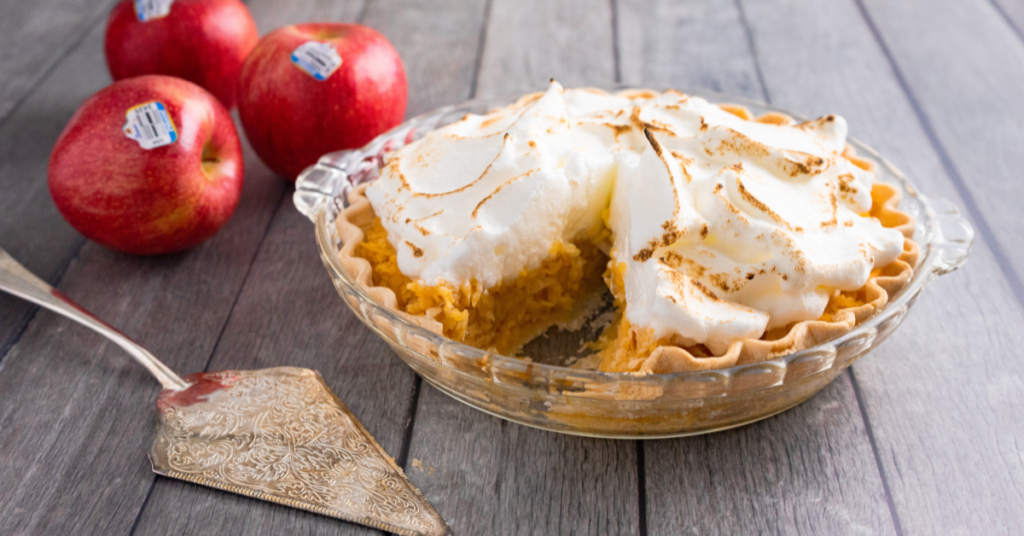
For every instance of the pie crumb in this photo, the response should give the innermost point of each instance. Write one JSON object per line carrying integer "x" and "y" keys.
{"x": 418, "y": 464}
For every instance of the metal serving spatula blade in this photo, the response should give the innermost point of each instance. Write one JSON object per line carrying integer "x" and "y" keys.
{"x": 277, "y": 434}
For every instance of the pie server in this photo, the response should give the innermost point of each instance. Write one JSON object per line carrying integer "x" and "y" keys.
{"x": 277, "y": 434}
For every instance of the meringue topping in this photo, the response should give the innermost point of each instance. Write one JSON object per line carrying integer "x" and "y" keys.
{"x": 727, "y": 227}
{"x": 486, "y": 197}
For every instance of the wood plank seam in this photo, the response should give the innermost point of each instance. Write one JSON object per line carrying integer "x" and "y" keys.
{"x": 49, "y": 70}
{"x": 481, "y": 43}
{"x": 897, "y": 524}
{"x": 1009, "y": 21}
{"x": 58, "y": 275}
{"x": 361, "y": 16}
{"x": 981, "y": 224}
{"x": 31, "y": 313}
{"x": 142, "y": 508}
{"x": 641, "y": 484}
{"x": 410, "y": 420}
{"x": 753, "y": 50}
{"x": 284, "y": 199}
{"x": 616, "y": 56}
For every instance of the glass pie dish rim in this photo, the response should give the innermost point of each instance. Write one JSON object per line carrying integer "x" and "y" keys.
{"x": 944, "y": 236}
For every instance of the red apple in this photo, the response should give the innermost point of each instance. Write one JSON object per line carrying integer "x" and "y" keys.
{"x": 119, "y": 175}
{"x": 202, "y": 41}
{"x": 295, "y": 111}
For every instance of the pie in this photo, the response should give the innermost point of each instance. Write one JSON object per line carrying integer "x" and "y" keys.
{"x": 724, "y": 239}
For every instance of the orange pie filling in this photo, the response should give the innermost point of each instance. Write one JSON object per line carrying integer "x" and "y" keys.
{"x": 502, "y": 318}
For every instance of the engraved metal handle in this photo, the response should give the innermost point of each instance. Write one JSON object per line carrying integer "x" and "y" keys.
{"x": 16, "y": 280}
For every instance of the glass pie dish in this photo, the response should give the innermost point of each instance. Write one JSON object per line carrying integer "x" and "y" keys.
{"x": 543, "y": 393}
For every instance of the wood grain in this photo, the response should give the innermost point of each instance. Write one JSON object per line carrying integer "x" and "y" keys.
{"x": 962, "y": 64}
{"x": 531, "y": 41}
{"x": 438, "y": 44}
{"x": 810, "y": 470}
{"x": 489, "y": 476}
{"x": 78, "y": 412}
{"x": 807, "y": 471}
{"x": 686, "y": 44}
{"x": 289, "y": 312}
{"x": 270, "y": 16}
{"x": 485, "y": 475}
{"x": 1014, "y": 14}
{"x": 31, "y": 229}
{"x": 35, "y": 37}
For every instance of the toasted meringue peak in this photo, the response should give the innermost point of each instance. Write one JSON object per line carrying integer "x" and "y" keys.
{"x": 764, "y": 220}
{"x": 727, "y": 227}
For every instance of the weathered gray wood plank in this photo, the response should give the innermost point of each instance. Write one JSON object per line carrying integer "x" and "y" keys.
{"x": 941, "y": 394}
{"x": 30, "y": 228}
{"x": 1013, "y": 11}
{"x": 438, "y": 44}
{"x": 530, "y": 42}
{"x": 289, "y": 312}
{"x": 485, "y": 475}
{"x": 78, "y": 414}
{"x": 686, "y": 44}
{"x": 489, "y": 476}
{"x": 809, "y": 470}
{"x": 814, "y": 70}
{"x": 35, "y": 37}
{"x": 962, "y": 63}
{"x": 270, "y": 16}
{"x": 925, "y": 380}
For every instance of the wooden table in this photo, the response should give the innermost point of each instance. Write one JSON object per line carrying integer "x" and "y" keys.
{"x": 922, "y": 437}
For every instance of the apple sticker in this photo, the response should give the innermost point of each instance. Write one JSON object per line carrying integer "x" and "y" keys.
{"x": 318, "y": 59}
{"x": 150, "y": 125}
{"x": 148, "y": 10}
